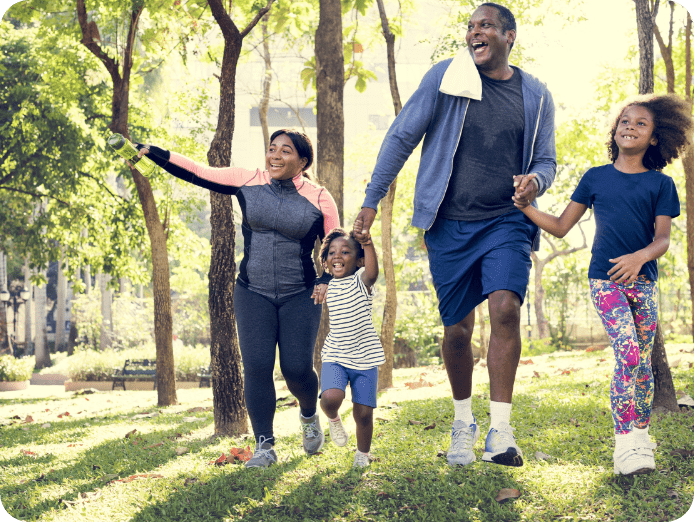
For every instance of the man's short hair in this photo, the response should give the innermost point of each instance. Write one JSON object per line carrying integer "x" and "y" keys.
{"x": 508, "y": 21}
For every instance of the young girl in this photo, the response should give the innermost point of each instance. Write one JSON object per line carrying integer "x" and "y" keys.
{"x": 352, "y": 351}
{"x": 634, "y": 204}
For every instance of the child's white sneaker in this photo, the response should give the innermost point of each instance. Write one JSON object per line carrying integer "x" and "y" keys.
{"x": 338, "y": 434}
{"x": 629, "y": 461}
{"x": 361, "y": 460}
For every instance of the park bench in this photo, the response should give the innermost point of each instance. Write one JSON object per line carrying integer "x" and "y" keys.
{"x": 135, "y": 370}
{"x": 205, "y": 375}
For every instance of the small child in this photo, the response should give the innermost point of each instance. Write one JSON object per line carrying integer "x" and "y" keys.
{"x": 634, "y": 205}
{"x": 352, "y": 351}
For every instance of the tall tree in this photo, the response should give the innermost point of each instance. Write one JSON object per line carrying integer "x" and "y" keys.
{"x": 227, "y": 380}
{"x": 330, "y": 74}
{"x": 666, "y": 51}
{"x": 664, "y": 393}
{"x": 385, "y": 374}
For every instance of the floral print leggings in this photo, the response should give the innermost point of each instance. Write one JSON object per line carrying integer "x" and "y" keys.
{"x": 630, "y": 315}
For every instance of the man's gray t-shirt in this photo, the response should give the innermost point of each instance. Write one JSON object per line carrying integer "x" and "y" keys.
{"x": 490, "y": 153}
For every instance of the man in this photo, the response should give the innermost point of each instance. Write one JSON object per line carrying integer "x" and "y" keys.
{"x": 486, "y": 126}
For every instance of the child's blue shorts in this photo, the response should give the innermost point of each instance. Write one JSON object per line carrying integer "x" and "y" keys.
{"x": 471, "y": 259}
{"x": 364, "y": 383}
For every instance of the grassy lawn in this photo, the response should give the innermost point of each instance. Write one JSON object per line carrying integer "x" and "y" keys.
{"x": 82, "y": 466}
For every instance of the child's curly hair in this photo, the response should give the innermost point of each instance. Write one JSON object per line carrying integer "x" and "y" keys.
{"x": 334, "y": 234}
{"x": 673, "y": 126}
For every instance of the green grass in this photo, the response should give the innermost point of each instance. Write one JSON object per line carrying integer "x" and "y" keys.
{"x": 563, "y": 415}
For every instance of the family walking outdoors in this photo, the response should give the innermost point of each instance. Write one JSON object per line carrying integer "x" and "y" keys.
{"x": 488, "y": 153}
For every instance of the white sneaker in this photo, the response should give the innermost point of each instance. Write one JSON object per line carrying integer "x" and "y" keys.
{"x": 338, "y": 434}
{"x": 463, "y": 438}
{"x": 361, "y": 460}
{"x": 500, "y": 447}
{"x": 628, "y": 461}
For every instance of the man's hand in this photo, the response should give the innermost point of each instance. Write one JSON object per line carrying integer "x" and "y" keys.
{"x": 626, "y": 268}
{"x": 362, "y": 224}
{"x": 526, "y": 190}
{"x": 319, "y": 293}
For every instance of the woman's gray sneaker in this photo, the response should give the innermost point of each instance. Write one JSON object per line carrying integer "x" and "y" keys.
{"x": 264, "y": 455}
{"x": 312, "y": 434}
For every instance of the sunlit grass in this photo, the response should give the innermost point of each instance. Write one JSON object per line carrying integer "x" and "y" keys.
{"x": 82, "y": 462}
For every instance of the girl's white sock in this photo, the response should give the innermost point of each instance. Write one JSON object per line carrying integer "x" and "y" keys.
{"x": 622, "y": 441}
{"x": 641, "y": 434}
{"x": 463, "y": 411}
{"x": 499, "y": 412}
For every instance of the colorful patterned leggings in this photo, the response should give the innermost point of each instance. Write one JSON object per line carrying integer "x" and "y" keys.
{"x": 630, "y": 315}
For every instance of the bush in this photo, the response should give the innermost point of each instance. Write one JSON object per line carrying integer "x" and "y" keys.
{"x": 12, "y": 369}
{"x": 532, "y": 347}
{"x": 419, "y": 326}
{"x": 93, "y": 365}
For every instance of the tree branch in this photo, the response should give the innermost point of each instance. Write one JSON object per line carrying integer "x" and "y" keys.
{"x": 35, "y": 195}
{"x": 257, "y": 18}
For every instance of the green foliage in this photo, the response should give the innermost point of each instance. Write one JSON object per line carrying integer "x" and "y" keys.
{"x": 532, "y": 347}
{"x": 419, "y": 325}
{"x": 93, "y": 365}
{"x": 12, "y": 369}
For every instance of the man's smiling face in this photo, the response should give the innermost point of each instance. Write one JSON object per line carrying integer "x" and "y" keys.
{"x": 487, "y": 43}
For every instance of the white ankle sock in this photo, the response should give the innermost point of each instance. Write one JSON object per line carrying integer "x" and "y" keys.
{"x": 463, "y": 411}
{"x": 622, "y": 441}
{"x": 499, "y": 412}
{"x": 641, "y": 434}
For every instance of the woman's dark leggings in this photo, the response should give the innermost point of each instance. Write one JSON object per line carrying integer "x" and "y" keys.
{"x": 263, "y": 324}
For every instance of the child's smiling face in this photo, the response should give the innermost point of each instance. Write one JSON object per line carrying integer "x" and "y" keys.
{"x": 635, "y": 130}
{"x": 342, "y": 260}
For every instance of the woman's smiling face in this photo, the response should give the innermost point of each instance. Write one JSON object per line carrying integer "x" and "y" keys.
{"x": 282, "y": 161}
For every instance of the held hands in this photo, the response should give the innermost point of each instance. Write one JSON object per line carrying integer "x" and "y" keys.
{"x": 319, "y": 293}
{"x": 362, "y": 225}
{"x": 363, "y": 238}
{"x": 626, "y": 268}
{"x": 526, "y": 191}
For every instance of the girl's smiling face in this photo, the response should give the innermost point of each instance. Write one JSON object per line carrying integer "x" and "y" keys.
{"x": 635, "y": 130}
{"x": 282, "y": 160}
{"x": 342, "y": 260}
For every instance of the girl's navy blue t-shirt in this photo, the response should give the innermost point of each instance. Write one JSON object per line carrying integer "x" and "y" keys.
{"x": 625, "y": 209}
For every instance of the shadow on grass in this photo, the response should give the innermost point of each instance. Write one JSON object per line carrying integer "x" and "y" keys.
{"x": 121, "y": 457}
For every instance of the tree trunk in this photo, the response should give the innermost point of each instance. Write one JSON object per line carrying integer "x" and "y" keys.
{"x": 645, "y": 21}
{"x": 106, "y": 322}
{"x": 688, "y": 164}
{"x": 330, "y": 119}
{"x": 542, "y": 322}
{"x": 664, "y": 392}
{"x": 60, "y": 337}
{"x": 390, "y": 309}
{"x": 120, "y": 70}
{"x": 28, "y": 336}
{"x": 43, "y": 356}
{"x": 267, "y": 83}
{"x": 230, "y": 417}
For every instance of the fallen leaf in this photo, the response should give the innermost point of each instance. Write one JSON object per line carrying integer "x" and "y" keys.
{"x": 47, "y": 425}
{"x": 535, "y": 374}
{"x": 685, "y": 454}
{"x": 431, "y": 426}
{"x": 155, "y": 445}
{"x": 145, "y": 415}
{"x": 196, "y": 409}
{"x": 181, "y": 450}
{"x": 130, "y": 433}
{"x": 529, "y": 361}
{"x": 595, "y": 348}
{"x": 507, "y": 494}
{"x": 382, "y": 494}
{"x": 290, "y": 404}
{"x": 673, "y": 494}
{"x": 415, "y": 422}
{"x": 242, "y": 454}
{"x": 66, "y": 414}
{"x": 220, "y": 461}
{"x": 74, "y": 445}
{"x": 418, "y": 384}
{"x": 381, "y": 419}
{"x": 28, "y": 419}
{"x": 483, "y": 365}
{"x": 29, "y": 453}
{"x": 542, "y": 456}
{"x": 675, "y": 363}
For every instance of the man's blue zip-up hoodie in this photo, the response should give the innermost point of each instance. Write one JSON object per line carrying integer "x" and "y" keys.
{"x": 436, "y": 112}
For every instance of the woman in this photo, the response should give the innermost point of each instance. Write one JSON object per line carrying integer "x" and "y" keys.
{"x": 276, "y": 297}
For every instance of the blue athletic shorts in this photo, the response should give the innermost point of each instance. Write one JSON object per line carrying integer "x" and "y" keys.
{"x": 364, "y": 383}
{"x": 471, "y": 259}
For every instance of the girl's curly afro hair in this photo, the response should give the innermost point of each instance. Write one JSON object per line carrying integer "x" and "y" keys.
{"x": 672, "y": 127}
{"x": 333, "y": 234}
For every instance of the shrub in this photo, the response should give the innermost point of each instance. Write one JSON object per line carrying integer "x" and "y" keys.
{"x": 12, "y": 369}
{"x": 539, "y": 346}
{"x": 92, "y": 365}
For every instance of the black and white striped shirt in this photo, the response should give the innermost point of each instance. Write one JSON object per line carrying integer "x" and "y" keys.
{"x": 352, "y": 341}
